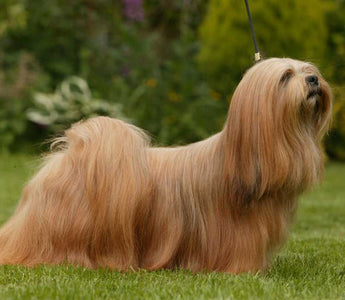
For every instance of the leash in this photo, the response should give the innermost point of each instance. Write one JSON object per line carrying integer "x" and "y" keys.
{"x": 257, "y": 55}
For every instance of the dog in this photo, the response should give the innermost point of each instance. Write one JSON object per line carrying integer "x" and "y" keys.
{"x": 105, "y": 199}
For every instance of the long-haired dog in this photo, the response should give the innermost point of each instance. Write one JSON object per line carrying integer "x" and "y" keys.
{"x": 104, "y": 198}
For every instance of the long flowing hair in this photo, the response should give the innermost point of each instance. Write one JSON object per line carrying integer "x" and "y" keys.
{"x": 104, "y": 198}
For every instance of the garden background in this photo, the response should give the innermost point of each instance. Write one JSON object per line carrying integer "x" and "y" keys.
{"x": 170, "y": 67}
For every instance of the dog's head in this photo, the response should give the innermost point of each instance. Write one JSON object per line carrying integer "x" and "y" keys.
{"x": 286, "y": 93}
{"x": 277, "y": 117}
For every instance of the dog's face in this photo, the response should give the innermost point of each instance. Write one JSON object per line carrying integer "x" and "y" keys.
{"x": 284, "y": 93}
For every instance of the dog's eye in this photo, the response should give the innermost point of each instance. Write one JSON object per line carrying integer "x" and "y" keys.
{"x": 286, "y": 77}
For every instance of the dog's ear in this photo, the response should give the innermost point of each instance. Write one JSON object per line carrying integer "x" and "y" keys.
{"x": 247, "y": 155}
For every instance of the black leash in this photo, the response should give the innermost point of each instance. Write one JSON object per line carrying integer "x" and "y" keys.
{"x": 257, "y": 55}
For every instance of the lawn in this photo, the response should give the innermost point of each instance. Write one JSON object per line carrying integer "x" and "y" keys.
{"x": 311, "y": 265}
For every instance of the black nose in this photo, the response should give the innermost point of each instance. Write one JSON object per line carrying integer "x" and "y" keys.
{"x": 312, "y": 79}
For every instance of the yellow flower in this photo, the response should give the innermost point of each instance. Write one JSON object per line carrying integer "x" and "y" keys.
{"x": 174, "y": 97}
{"x": 152, "y": 82}
{"x": 215, "y": 95}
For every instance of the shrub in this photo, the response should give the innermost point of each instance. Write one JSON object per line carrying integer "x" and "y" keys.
{"x": 335, "y": 141}
{"x": 71, "y": 102}
{"x": 19, "y": 73}
{"x": 174, "y": 103}
{"x": 292, "y": 28}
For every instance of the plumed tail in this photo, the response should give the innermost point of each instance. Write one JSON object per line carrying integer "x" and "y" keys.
{"x": 75, "y": 209}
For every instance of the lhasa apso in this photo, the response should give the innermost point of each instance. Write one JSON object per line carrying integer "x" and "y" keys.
{"x": 105, "y": 198}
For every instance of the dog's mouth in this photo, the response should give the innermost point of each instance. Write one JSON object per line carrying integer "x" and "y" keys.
{"x": 313, "y": 98}
{"x": 315, "y": 92}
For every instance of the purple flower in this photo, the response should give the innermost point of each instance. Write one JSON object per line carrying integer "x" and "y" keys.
{"x": 133, "y": 10}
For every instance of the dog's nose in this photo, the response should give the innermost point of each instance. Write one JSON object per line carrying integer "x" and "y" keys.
{"x": 312, "y": 79}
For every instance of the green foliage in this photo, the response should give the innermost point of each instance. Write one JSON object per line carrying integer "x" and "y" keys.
{"x": 71, "y": 102}
{"x": 158, "y": 88}
{"x": 174, "y": 17}
{"x": 12, "y": 15}
{"x": 71, "y": 37}
{"x": 12, "y": 122}
{"x": 290, "y": 28}
{"x": 150, "y": 67}
{"x": 335, "y": 141}
{"x": 175, "y": 104}
{"x": 19, "y": 74}
{"x": 335, "y": 66}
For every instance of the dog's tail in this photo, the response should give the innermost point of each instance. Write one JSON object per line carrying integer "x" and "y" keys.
{"x": 81, "y": 206}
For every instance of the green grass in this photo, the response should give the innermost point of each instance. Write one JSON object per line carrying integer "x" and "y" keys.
{"x": 311, "y": 266}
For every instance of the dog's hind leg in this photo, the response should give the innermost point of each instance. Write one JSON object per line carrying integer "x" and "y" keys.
{"x": 81, "y": 206}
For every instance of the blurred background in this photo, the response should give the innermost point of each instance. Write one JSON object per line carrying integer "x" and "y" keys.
{"x": 168, "y": 66}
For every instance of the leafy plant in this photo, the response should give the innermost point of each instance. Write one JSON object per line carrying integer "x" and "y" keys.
{"x": 71, "y": 102}
{"x": 175, "y": 104}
